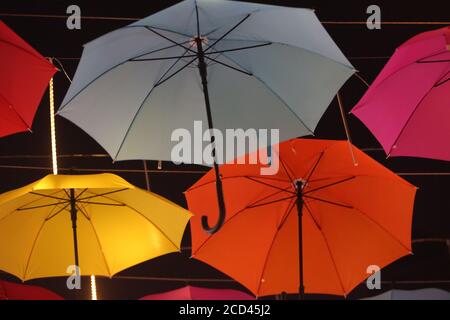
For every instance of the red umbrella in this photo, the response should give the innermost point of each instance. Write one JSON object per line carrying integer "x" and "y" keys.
{"x": 15, "y": 291}
{"x": 24, "y": 77}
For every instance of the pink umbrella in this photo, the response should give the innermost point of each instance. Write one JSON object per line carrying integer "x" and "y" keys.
{"x": 15, "y": 291}
{"x": 196, "y": 293}
{"x": 407, "y": 107}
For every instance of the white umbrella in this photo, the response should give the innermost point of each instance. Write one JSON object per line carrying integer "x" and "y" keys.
{"x": 228, "y": 64}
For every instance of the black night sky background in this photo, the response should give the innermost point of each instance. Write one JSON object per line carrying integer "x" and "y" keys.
{"x": 367, "y": 50}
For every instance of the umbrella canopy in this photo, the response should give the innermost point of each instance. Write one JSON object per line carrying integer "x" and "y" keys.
{"x": 115, "y": 226}
{"x": 196, "y": 293}
{"x": 24, "y": 77}
{"x": 15, "y": 291}
{"x": 407, "y": 106}
{"x": 352, "y": 217}
{"x": 227, "y": 63}
{"x": 420, "y": 294}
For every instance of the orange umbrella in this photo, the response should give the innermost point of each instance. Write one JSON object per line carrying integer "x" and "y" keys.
{"x": 352, "y": 217}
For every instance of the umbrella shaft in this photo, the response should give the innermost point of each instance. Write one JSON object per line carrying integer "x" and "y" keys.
{"x": 220, "y": 198}
{"x": 73, "y": 216}
{"x": 299, "y": 202}
{"x": 204, "y": 76}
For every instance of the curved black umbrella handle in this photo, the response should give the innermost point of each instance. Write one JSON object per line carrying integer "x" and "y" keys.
{"x": 222, "y": 213}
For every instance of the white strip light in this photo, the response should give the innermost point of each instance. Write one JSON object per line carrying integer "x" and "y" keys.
{"x": 52, "y": 128}
{"x": 93, "y": 288}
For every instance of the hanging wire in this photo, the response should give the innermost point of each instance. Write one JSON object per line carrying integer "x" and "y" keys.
{"x": 103, "y": 170}
{"x": 62, "y": 68}
{"x": 147, "y": 179}
{"x": 173, "y": 171}
{"x": 358, "y": 75}
{"x": 347, "y": 129}
{"x": 111, "y": 18}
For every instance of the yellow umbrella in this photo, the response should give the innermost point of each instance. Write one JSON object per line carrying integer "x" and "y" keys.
{"x": 115, "y": 225}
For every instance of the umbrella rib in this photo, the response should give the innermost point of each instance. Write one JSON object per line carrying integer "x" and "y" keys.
{"x": 172, "y": 66}
{"x": 229, "y": 66}
{"x": 116, "y": 203}
{"x": 197, "y": 17}
{"x": 154, "y": 27}
{"x": 331, "y": 255}
{"x": 268, "y": 178}
{"x": 286, "y": 214}
{"x": 286, "y": 169}
{"x": 318, "y": 226}
{"x": 382, "y": 228}
{"x": 292, "y": 204}
{"x": 409, "y": 119}
{"x": 146, "y": 218}
{"x": 234, "y": 216}
{"x": 163, "y": 58}
{"x": 278, "y": 96}
{"x": 238, "y": 49}
{"x": 330, "y": 202}
{"x": 103, "y": 203}
{"x": 268, "y": 184}
{"x": 26, "y": 204}
{"x": 441, "y": 81}
{"x": 41, "y": 206}
{"x": 314, "y": 168}
{"x": 81, "y": 209}
{"x": 67, "y": 194}
{"x": 263, "y": 198}
{"x": 168, "y": 39}
{"x": 81, "y": 193}
{"x": 48, "y": 196}
{"x": 361, "y": 105}
{"x": 145, "y": 99}
{"x": 32, "y": 249}
{"x": 330, "y": 185}
{"x": 16, "y": 112}
{"x": 101, "y": 247}
{"x": 227, "y": 32}
{"x": 51, "y": 216}
{"x": 157, "y": 227}
{"x": 270, "y": 202}
{"x": 40, "y": 59}
{"x": 422, "y": 60}
{"x": 105, "y": 72}
{"x": 161, "y": 81}
{"x": 158, "y": 50}
{"x": 101, "y": 194}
